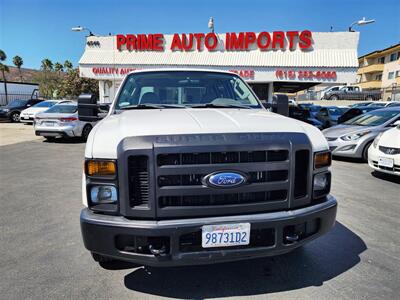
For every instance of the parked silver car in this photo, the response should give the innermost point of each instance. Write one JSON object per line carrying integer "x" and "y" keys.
{"x": 61, "y": 120}
{"x": 353, "y": 137}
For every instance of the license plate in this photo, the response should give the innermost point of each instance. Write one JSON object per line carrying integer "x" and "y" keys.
{"x": 50, "y": 124}
{"x": 225, "y": 235}
{"x": 26, "y": 118}
{"x": 385, "y": 162}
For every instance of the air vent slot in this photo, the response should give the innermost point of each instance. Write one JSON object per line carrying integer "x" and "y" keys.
{"x": 139, "y": 181}
{"x": 302, "y": 162}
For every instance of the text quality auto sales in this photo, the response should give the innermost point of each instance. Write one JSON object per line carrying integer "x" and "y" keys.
{"x": 277, "y": 40}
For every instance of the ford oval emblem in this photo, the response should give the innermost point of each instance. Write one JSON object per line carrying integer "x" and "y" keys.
{"x": 225, "y": 179}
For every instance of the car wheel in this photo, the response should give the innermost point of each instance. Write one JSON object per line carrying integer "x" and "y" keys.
{"x": 365, "y": 152}
{"x": 369, "y": 98}
{"x": 101, "y": 259}
{"x": 334, "y": 97}
{"x": 85, "y": 132}
{"x": 14, "y": 117}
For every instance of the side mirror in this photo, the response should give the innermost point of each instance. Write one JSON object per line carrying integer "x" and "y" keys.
{"x": 88, "y": 109}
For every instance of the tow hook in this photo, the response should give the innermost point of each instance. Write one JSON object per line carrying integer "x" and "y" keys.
{"x": 292, "y": 238}
{"x": 158, "y": 252}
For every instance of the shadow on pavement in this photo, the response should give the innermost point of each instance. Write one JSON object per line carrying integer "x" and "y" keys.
{"x": 312, "y": 265}
{"x": 74, "y": 140}
{"x": 387, "y": 177}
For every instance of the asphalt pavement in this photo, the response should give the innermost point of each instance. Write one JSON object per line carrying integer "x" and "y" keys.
{"x": 43, "y": 257}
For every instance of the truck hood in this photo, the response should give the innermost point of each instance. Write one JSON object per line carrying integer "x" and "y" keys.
{"x": 107, "y": 134}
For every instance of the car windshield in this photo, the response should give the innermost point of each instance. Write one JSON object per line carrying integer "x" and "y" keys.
{"x": 63, "y": 109}
{"x": 373, "y": 118}
{"x": 17, "y": 102}
{"x": 45, "y": 104}
{"x": 185, "y": 89}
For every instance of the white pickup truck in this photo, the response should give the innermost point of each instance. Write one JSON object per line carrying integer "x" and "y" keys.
{"x": 189, "y": 168}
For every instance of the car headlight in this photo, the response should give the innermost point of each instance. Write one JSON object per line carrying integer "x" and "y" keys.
{"x": 103, "y": 194}
{"x": 6, "y": 110}
{"x": 321, "y": 184}
{"x": 376, "y": 140}
{"x": 354, "y": 137}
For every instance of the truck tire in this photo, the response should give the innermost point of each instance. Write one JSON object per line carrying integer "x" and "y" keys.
{"x": 101, "y": 259}
{"x": 14, "y": 117}
{"x": 365, "y": 152}
{"x": 334, "y": 97}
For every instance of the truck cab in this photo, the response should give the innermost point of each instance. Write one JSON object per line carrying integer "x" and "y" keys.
{"x": 189, "y": 168}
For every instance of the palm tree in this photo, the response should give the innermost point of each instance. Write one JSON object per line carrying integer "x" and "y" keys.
{"x": 47, "y": 65}
{"x": 3, "y": 69}
{"x": 58, "y": 67}
{"x": 18, "y": 62}
{"x": 68, "y": 65}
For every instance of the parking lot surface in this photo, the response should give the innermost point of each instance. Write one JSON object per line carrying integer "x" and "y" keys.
{"x": 42, "y": 255}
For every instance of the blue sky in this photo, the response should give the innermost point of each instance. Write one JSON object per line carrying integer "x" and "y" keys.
{"x": 37, "y": 29}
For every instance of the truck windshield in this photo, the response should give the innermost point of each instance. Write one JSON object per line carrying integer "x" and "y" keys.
{"x": 185, "y": 89}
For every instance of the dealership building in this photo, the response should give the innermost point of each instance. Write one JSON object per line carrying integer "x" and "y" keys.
{"x": 271, "y": 62}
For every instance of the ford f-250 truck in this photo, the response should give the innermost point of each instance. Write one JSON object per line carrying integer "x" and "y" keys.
{"x": 189, "y": 168}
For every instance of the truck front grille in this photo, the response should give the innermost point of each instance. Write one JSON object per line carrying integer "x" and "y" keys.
{"x": 168, "y": 180}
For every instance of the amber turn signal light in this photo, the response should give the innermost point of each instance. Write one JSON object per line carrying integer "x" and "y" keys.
{"x": 322, "y": 159}
{"x": 100, "y": 168}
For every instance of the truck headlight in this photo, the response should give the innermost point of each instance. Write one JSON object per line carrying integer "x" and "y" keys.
{"x": 354, "y": 137}
{"x": 322, "y": 159}
{"x": 100, "y": 168}
{"x": 321, "y": 184}
{"x": 103, "y": 194}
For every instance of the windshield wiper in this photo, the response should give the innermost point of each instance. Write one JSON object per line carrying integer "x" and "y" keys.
{"x": 150, "y": 106}
{"x": 212, "y": 105}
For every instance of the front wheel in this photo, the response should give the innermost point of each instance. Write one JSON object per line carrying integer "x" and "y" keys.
{"x": 14, "y": 117}
{"x": 85, "y": 132}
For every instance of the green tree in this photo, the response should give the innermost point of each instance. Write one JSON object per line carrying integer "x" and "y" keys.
{"x": 47, "y": 65}
{"x": 68, "y": 65}
{"x": 18, "y": 62}
{"x": 4, "y": 68}
{"x": 72, "y": 85}
{"x": 58, "y": 67}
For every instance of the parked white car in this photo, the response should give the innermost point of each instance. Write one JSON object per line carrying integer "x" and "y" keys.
{"x": 384, "y": 153}
{"x": 27, "y": 115}
{"x": 61, "y": 120}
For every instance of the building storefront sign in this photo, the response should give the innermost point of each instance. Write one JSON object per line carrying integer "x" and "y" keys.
{"x": 290, "y": 74}
{"x": 277, "y": 40}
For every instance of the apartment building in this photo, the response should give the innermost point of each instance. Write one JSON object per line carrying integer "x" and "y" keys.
{"x": 380, "y": 70}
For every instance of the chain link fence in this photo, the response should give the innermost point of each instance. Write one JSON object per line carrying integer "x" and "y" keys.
{"x": 4, "y": 100}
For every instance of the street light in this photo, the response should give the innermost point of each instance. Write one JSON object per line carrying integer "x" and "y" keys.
{"x": 211, "y": 24}
{"x": 360, "y": 23}
{"x": 80, "y": 28}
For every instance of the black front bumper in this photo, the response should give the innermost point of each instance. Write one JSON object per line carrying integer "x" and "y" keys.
{"x": 106, "y": 235}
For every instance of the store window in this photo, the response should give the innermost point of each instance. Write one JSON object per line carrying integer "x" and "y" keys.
{"x": 391, "y": 75}
{"x": 381, "y": 60}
